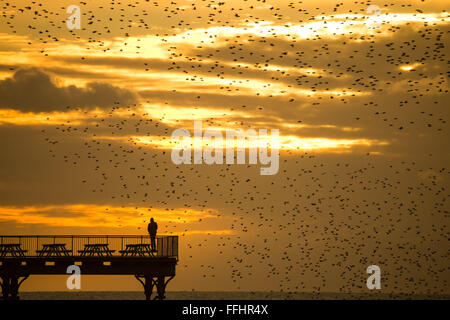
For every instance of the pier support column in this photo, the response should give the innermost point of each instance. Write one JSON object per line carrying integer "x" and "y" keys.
{"x": 161, "y": 284}
{"x": 148, "y": 282}
{"x": 10, "y": 286}
{"x": 5, "y": 287}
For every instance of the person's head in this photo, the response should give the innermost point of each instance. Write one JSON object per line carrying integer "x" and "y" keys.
{"x": 151, "y": 220}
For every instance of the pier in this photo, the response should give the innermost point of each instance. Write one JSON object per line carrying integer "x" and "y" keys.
{"x": 23, "y": 256}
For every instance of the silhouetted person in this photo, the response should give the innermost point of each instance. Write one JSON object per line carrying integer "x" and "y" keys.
{"x": 152, "y": 228}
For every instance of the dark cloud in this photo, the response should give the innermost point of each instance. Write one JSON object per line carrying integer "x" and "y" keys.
{"x": 33, "y": 90}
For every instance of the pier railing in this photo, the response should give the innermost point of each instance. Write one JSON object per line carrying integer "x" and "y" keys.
{"x": 166, "y": 246}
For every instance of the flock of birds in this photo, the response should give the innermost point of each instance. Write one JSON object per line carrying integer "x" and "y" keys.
{"x": 324, "y": 217}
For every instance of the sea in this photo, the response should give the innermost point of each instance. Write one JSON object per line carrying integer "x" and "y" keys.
{"x": 223, "y": 295}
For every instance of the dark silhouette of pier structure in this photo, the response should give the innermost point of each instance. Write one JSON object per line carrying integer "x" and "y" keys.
{"x": 23, "y": 256}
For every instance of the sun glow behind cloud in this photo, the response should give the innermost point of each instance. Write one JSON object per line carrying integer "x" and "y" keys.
{"x": 221, "y": 120}
{"x": 152, "y": 46}
{"x": 286, "y": 143}
{"x": 322, "y": 26}
{"x": 409, "y": 67}
{"x": 11, "y": 116}
{"x": 102, "y": 216}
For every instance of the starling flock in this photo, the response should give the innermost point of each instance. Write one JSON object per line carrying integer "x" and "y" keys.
{"x": 310, "y": 69}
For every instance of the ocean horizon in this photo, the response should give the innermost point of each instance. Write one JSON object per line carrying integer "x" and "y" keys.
{"x": 224, "y": 295}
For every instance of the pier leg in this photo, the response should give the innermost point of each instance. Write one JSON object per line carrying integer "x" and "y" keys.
{"x": 148, "y": 287}
{"x": 14, "y": 288}
{"x": 5, "y": 288}
{"x": 148, "y": 284}
{"x": 161, "y": 287}
{"x": 10, "y": 287}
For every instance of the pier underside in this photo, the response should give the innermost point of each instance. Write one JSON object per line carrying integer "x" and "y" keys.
{"x": 151, "y": 272}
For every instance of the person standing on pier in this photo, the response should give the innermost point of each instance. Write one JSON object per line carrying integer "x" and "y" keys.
{"x": 152, "y": 228}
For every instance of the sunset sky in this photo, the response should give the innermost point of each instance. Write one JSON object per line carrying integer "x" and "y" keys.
{"x": 360, "y": 102}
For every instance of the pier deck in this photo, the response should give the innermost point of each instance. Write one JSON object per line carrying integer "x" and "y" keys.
{"x": 23, "y": 256}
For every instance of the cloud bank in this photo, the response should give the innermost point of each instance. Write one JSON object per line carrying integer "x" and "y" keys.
{"x": 32, "y": 90}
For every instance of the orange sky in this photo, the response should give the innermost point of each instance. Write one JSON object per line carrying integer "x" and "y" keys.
{"x": 86, "y": 118}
